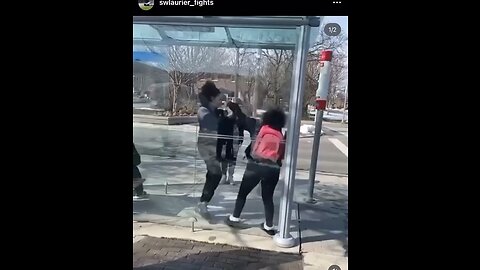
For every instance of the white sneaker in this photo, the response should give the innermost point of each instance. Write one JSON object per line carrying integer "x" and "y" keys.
{"x": 230, "y": 180}
{"x": 140, "y": 197}
{"x": 223, "y": 181}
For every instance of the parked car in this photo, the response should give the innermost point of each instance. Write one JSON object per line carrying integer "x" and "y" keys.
{"x": 141, "y": 99}
{"x": 311, "y": 111}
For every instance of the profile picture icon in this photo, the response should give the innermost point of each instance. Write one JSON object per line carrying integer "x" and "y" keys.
{"x": 146, "y": 4}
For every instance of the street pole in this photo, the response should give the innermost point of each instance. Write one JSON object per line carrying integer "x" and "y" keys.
{"x": 345, "y": 103}
{"x": 283, "y": 238}
{"x": 314, "y": 158}
{"x": 257, "y": 84}
{"x": 237, "y": 94}
{"x": 134, "y": 84}
{"x": 321, "y": 100}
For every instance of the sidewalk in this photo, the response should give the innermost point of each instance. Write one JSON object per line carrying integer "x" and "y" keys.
{"x": 169, "y": 253}
{"x": 170, "y": 154}
{"x": 323, "y": 225}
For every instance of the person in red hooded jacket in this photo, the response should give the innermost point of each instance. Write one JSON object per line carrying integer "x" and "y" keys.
{"x": 267, "y": 154}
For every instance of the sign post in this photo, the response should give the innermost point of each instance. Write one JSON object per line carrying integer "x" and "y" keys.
{"x": 321, "y": 105}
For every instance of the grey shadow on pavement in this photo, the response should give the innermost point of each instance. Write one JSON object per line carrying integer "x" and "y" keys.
{"x": 327, "y": 219}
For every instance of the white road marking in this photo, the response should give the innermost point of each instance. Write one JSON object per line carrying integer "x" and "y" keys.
{"x": 342, "y": 147}
{"x": 341, "y": 132}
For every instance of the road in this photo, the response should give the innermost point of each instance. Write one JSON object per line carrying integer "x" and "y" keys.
{"x": 331, "y": 159}
{"x": 169, "y": 152}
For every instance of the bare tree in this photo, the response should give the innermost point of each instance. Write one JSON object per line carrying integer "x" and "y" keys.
{"x": 186, "y": 64}
{"x": 243, "y": 60}
{"x": 338, "y": 73}
{"x": 191, "y": 98}
{"x": 277, "y": 72}
{"x": 325, "y": 42}
{"x": 249, "y": 81}
{"x": 312, "y": 73}
{"x": 272, "y": 70}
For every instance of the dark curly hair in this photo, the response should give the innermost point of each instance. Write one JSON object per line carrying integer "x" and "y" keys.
{"x": 209, "y": 90}
{"x": 241, "y": 117}
{"x": 275, "y": 118}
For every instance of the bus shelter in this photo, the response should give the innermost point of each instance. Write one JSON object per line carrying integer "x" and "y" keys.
{"x": 295, "y": 35}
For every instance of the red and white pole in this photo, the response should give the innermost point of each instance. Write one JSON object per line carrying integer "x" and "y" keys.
{"x": 321, "y": 105}
{"x": 324, "y": 79}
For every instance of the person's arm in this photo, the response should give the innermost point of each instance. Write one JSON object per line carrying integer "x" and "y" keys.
{"x": 251, "y": 126}
{"x": 241, "y": 131}
{"x": 282, "y": 150}
{"x": 248, "y": 150}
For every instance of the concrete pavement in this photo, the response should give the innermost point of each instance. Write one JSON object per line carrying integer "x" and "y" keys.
{"x": 175, "y": 175}
{"x": 323, "y": 226}
{"x": 171, "y": 253}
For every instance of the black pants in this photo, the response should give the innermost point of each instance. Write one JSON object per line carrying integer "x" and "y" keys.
{"x": 213, "y": 177}
{"x": 137, "y": 174}
{"x": 228, "y": 143}
{"x": 228, "y": 164}
{"x": 139, "y": 190}
{"x": 254, "y": 173}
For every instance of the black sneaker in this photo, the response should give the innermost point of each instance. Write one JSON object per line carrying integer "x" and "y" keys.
{"x": 269, "y": 232}
{"x": 231, "y": 223}
{"x": 202, "y": 210}
{"x": 142, "y": 193}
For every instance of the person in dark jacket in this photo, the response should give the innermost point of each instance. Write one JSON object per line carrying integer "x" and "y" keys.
{"x": 243, "y": 123}
{"x": 227, "y": 130}
{"x": 233, "y": 127}
{"x": 138, "y": 191}
{"x": 208, "y": 120}
{"x": 226, "y": 124}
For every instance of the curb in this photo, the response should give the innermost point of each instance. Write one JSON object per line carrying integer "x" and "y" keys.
{"x": 164, "y": 120}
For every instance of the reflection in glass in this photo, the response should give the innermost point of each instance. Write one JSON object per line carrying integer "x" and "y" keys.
{"x": 181, "y": 163}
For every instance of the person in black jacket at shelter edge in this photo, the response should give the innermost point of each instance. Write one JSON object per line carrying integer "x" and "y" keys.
{"x": 138, "y": 192}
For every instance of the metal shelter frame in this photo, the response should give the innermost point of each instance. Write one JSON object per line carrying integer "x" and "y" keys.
{"x": 300, "y": 47}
